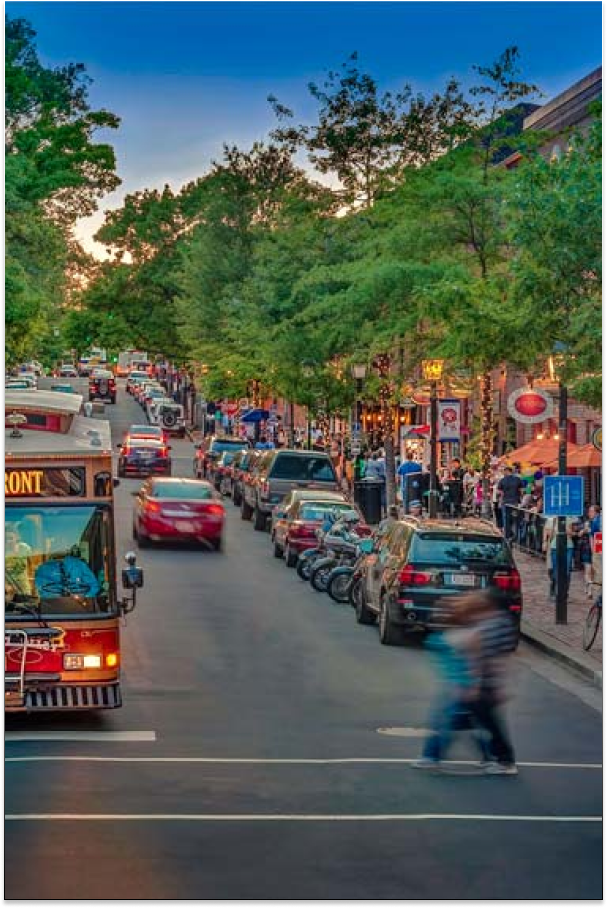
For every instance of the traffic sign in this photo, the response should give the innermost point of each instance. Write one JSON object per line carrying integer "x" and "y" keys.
{"x": 598, "y": 543}
{"x": 563, "y": 496}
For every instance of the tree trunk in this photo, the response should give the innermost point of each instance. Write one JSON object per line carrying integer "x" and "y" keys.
{"x": 390, "y": 458}
{"x": 486, "y": 440}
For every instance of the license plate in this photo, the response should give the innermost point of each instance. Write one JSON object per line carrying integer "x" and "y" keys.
{"x": 146, "y": 455}
{"x": 461, "y": 579}
{"x": 184, "y": 526}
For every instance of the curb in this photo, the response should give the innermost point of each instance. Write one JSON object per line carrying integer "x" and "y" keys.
{"x": 562, "y": 653}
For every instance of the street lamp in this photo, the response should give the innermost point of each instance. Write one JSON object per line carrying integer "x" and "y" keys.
{"x": 432, "y": 370}
{"x": 359, "y": 373}
{"x": 308, "y": 367}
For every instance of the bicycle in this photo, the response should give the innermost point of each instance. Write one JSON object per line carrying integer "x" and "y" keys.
{"x": 593, "y": 622}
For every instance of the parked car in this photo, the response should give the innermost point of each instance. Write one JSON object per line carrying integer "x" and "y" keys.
{"x": 410, "y": 579}
{"x": 143, "y": 456}
{"x": 178, "y": 510}
{"x": 30, "y": 377}
{"x": 133, "y": 377}
{"x": 102, "y": 386}
{"x": 219, "y": 471}
{"x": 18, "y": 384}
{"x": 170, "y": 416}
{"x": 67, "y": 371}
{"x": 276, "y": 473}
{"x": 64, "y": 387}
{"x": 150, "y": 397}
{"x": 210, "y": 448}
{"x": 241, "y": 468}
{"x": 296, "y": 531}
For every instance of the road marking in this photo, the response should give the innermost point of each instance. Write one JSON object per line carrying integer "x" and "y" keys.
{"x": 39, "y": 758}
{"x": 79, "y": 735}
{"x": 400, "y": 732}
{"x": 305, "y": 818}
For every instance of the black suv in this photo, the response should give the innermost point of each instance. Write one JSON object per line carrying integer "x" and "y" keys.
{"x": 211, "y": 448}
{"x": 417, "y": 567}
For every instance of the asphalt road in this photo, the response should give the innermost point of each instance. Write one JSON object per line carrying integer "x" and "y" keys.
{"x": 247, "y": 761}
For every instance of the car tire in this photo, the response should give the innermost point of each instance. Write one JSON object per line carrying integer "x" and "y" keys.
{"x": 236, "y": 498}
{"x": 291, "y": 558}
{"x": 389, "y": 633}
{"x": 246, "y": 510}
{"x": 364, "y": 615}
{"x": 120, "y": 470}
{"x": 218, "y": 544}
{"x": 113, "y": 399}
{"x": 260, "y": 520}
{"x": 278, "y": 551}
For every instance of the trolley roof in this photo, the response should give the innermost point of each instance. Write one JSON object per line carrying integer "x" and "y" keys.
{"x": 84, "y": 435}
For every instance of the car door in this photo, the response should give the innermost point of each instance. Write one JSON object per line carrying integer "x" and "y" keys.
{"x": 397, "y": 556}
{"x": 375, "y": 567}
{"x": 290, "y": 511}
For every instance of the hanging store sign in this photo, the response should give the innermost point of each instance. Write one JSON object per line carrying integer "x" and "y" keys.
{"x": 530, "y": 405}
{"x": 449, "y": 420}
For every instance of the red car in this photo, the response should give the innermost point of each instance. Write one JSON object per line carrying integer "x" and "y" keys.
{"x": 178, "y": 510}
{"x": 296, "y": 531}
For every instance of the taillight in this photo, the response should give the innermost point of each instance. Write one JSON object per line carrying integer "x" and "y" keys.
{"x": 507, "y": 580}
{"x": 216, "y": 510}
{"x": 265, "y": 488}
{"x": 298, "y": 528}
{"x": 410, "y": 576}
{"x": 164, "y": 452}
{"x": 153, "y": 507}
{"x": 126, "y": 450}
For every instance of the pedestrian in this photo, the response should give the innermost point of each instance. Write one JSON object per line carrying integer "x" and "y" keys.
{"x": 549, "y": 548}
{"x": 497, "y": 636}
{"x": 456, "y": 657}
{"x": 509, "y": 491}
{"x": 587, "y": 532}
{"x": 360, "y": 466}
{"x": 407, "y": 467}
{"x": 376, "y": 469}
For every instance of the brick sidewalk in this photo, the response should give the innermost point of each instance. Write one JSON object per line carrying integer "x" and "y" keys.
{"x": 539, "y": 608}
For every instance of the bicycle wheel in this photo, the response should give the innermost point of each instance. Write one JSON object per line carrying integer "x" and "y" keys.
{"x": 591, "y": 626}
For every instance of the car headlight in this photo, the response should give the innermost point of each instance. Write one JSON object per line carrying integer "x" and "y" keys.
{"x": 78, "y": 661}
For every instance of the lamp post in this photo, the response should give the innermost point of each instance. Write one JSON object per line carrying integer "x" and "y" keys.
{"x": 432, "y": 370}
{"x": 307, "y": 367}
{"x": 359, "y": 373}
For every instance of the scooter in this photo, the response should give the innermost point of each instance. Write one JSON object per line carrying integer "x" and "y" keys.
{"x": 344, "y": 578}
{"x": 341, "y": 544}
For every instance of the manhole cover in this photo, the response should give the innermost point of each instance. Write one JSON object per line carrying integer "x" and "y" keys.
{"x": 397, "y": 732}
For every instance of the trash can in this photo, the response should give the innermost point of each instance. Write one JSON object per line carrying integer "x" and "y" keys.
{"x": 415, "y": 488}
{"x": 367, "y": 495}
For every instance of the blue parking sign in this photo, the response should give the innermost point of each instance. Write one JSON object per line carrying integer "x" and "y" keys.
{"x": 563, "y": 496}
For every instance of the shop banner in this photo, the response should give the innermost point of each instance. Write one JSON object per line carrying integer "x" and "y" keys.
{"x": 449, "y": 420}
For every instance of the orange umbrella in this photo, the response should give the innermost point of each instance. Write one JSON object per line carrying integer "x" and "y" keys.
{"x": 585, "y": 458}
{"x": 540, "y": 451}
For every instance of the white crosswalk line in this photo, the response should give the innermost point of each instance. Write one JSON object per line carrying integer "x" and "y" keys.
{"x": 305, "y": 818}
{"x": 80, "y": 735}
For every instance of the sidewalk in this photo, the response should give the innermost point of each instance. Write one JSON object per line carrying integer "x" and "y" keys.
{"x": 562, "y": 641}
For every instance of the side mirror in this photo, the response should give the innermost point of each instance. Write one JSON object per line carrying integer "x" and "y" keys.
{"x": 119, "y": 446}
{"x": 366, "y": 546}
{"x": 280, "y": 514}
{"x": 132, "y": 576}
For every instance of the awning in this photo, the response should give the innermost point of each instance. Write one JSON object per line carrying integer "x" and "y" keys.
{"x": 417, "y": 432}
{"x": 255, "y": 416}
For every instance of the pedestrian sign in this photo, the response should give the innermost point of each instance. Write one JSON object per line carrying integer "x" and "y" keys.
{"x": 563, "y": 496}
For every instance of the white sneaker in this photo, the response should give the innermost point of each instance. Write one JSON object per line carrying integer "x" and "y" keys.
{"x": 501, "y": 769}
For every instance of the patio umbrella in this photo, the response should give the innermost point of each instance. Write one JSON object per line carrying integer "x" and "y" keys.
{"x": 540, "y": 451}
{"x": 257, "y": 415}
{"x": 585, "y": 458}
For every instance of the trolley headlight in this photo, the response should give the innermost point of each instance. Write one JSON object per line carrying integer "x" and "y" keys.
{"x": 78, "y": 661}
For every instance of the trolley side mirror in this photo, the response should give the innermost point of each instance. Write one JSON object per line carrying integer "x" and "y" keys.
{"x": 132, "y": 579}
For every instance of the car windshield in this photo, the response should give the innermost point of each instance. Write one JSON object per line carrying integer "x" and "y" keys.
{"x": 449, "y": 548}
{"x": 145, "y": 431}
{"x": 294, "y": 466}
{"x": 191, "y": 491}
{"x": 319, "y": 510}
{"x": 57, "y": 561}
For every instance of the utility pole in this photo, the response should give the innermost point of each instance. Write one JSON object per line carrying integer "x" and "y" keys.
{"x": 433, "y": 491}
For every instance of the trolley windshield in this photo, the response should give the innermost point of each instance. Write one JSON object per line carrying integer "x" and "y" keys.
{"x": 58, "y": 561}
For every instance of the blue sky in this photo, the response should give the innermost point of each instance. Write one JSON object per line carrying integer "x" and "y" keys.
{"x": 185, "y": 77}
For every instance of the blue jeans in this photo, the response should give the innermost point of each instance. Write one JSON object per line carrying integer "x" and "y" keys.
{"x": 448, "y": 717}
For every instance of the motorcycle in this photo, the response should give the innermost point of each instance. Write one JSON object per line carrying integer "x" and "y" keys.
{"x": 343, "y": 580}
{"x": 308, "y": 557}
{"x": 341, "y": 543}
